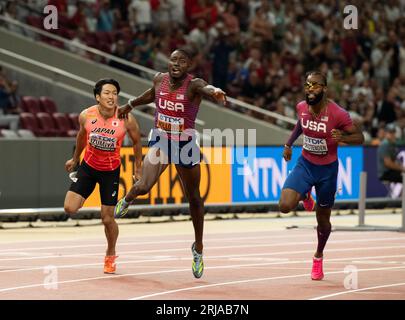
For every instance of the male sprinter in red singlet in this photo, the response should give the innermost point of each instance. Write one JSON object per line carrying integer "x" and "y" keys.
{"x": 101, "y": 133}
{"x": 177, "y": 97}
{"x": 324, "y": 125}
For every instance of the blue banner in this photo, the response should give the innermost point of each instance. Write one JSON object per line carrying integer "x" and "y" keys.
{"x": 258, "y": 174}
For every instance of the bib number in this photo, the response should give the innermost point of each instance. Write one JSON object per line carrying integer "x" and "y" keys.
{"x": 315, "y": 145}
{"x": 102, "y": 143}
{"x": 169, "y": 123}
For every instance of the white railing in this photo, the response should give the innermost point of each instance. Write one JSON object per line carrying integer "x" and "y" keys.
{"x": 70, "y": 75}
{"x": 146, "y": 72}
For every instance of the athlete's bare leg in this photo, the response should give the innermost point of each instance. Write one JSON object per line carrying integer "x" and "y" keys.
{"x": 190, "y": 178}
{"x": 323, "y": 229}
{"x": 73, "y": 202}
{"x": 289, "y": 200}
{"x": 110, "y": 228}
{"x": 151, "y": 171}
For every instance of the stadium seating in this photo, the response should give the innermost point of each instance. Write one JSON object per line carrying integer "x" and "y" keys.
{"x": 30, "y": 122}
{"x": 48, "y": 125}
{"x": 47, "y": 105}
{"x": 24, "y": 133}
{"x": 30, "y": 104}
{"x": 10, "y": 134}
{"x": 74, "y": 118}
{"x": 35, "y": 21}
{"x": 64, "y": 124}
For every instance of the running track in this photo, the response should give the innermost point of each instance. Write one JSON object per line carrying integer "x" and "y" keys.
{"x": 243, "y": 266}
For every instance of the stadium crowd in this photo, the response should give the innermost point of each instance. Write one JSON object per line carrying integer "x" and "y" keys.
{"x": 258, "y": 51}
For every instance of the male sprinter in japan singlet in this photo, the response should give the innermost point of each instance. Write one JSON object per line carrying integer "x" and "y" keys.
{"x": 101, "y": 134}
{"x": 177, "y": 96}
{"x": 324, "y": 124}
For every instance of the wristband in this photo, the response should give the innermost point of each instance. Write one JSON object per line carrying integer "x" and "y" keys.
{"x": 287, "y": 146}
{"x": 130, "y": 103}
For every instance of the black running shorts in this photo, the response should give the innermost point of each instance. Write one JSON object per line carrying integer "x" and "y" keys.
{"x": 108, "y": 181}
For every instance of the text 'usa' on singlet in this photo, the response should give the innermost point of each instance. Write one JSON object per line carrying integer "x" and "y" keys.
{"x": 174, "y": 113}
{"x": 318, "y": 145}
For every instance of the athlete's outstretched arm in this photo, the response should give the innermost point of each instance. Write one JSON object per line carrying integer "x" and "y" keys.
{"x": 135, "y": 135}
{"x": 147, "y": 97}
{"x": 287, "y": 152}
{"x": 207, "y": 90}
{"x": 351, "y": 135}
{"x": 80, "y": 143}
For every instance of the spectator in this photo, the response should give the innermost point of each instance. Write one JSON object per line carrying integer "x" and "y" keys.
{"x": 394, "y": 44}
{"x": 363, "y": 74}
{"x": 260, "y": 26}
{"x": 78, "y": 20}
{"x": 80, "y": 38}
{"x": 198, "y": 37}
{"x": 177, "y": 40}
{"x": 381, "y": 59}
{"x": 120, "y": 52}
{"x": 9, "y": 100}
{"x": 5, "y": 92}
{"x": 140, "y": 13}
{"x": 106, "y": 17}
{"x": 11, "y": 13}
{"x": 177, "y": 12}
{"x": 61, "y": 6}
{"x": 252, "y": 90}
{"x": 231, "y": 21}
{"x": 387, "y": 167}
{"x": 291, "y": 37}
{"x": 161, "y": 56}
{"x": 14, "y": 98}
{"x": 384, "y": 108}
{"x": 202, "y": 9}
{"x": 402, "y": 58}
{"x": 221, "y": 50}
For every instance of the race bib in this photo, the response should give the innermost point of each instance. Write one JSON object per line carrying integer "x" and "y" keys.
{"x": 102, "y": 142}
{"x": 169, "y": 123}
{"x": 315, "y": 145}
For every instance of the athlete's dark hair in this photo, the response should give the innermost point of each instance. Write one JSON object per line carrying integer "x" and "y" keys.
{"x": 99, "y": 85}
{"x": 317, "y": 73}
{"x": 187, "y": 51}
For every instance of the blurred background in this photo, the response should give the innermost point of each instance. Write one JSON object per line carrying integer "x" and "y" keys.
{"x": 256, "y": 51}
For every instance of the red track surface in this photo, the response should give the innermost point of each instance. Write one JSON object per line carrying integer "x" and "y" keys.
{"x": 251, "y": 265}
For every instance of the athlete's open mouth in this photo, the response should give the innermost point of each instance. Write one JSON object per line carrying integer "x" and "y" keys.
{"x": 311, "y": 96}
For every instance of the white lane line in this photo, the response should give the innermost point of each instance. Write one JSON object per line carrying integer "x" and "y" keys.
{"x": 211, "y": 248}
{"x": 220, "y": 284}
{"x": 230, "y": 257}
{"x": 358, "y": 290}
{"x": 207, "y": 268}
{"x": 140, "y": 243}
